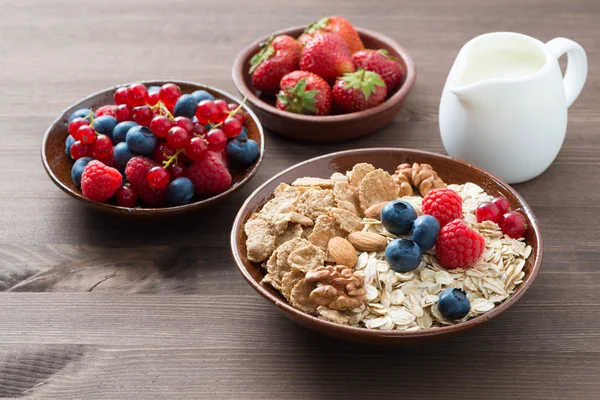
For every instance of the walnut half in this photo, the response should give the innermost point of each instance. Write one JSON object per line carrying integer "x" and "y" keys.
{"x": 337, "y": 287}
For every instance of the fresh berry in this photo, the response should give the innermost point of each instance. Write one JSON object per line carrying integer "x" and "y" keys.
{"x": 403, "y": 255}
{"x": 136, "y": 170}
{"x": 102, "y": 146}
{"x": 207, "y": 111}
{"x": 398, "y": 216}
{"x": 142, "y": 115}
{"x": 100, "y": 182}
{"x": 68, "y": 142}
{"x": 120, "y": 96}
{"x": 109, "y": 159}
{"x": 141, "y": 140}
{"x": 157, "y": 178}
{"x": 223, "y": 110}
{"x": 199, "y": 129}
{"x": 358, "y": 91}
{"x": 458, "y": 245}
{"x": 120, "y": 131}
{"x": 85, "y": 134}
{"x": 122, "y": 154}
{"x": 163, "y": 152}
{"x": 200, "y": 95}
{"x": 81, "y": 113}
{"x": 513, "y": 224}
{"x": 137, "y": 95}
{"x": 488, "y": 212}
{"x": 242, "y": 151}
{"x": 327, "y": 56}
{"x": 209, "y": 175}
{"x": 177, "y": 137}
{"x": 277, "y": 57}
{"x": 124, "y": 113}
{"x": 196, "y": 148}
{"x": 169, "y": 93}
{"x": 444, "y": 204}
{"x": 177, "y": 170}
{"x": 243, "y": 133}
{"x": 303, "y": 92}
{"x": 424, "y": 232}
{"x": 126, "y": 196}
{"x": 77, "y": 170}
{"x": 502, "y": 203}
{"x": 108, "y": 111}
{"x": 231, "y": 127}
{"x": 239, "y": 115}
{"x": 75, "y": 124}
{"x": 453, "y": 304}
{"x": 224, "y": 157}
{"x": 153, "y": 96}
{"x": 186, "y": 106}
{"x": 152, "y": 197}
{"x": 217, "y": 141}
{"x": 382, "y": 63}
{"x": 105, "y": 125}
{"x": 160, "y": 125}
{"x": 185, "y": 123}
{"x": 180, "y": 191}
{"x": 80, "y": 150}
{"x": 342, "y": 27}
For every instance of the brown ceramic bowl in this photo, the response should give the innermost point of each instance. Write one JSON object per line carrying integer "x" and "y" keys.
{"x": 328, "y": 128}
{"x": 58, "y": 164}
{"x": 450, "y": 170}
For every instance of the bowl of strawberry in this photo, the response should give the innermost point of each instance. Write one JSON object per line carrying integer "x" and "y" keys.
{"x": 153, "y": 148}
{"x": 328, "y": 81}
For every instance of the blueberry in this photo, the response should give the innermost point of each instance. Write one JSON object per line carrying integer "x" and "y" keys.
{"x": 105, "y": 125}
{"x": 77, "y": 170}
{"x": 397, "y": 217}
{"x": 180, "y": 191}
{"x": 153, "y": 89}
{"x": 453, "y": 304}
{"x": 140, "y": 139}
{"x": 120, "y": 131}
{"x": 70, "y": 140}
{"x": 243, "y": 133}
{"x": 403, "y": 255}
{"x": 122, "y": 154}
{"x": 200, "y": 95}
{"x": 81, "y": 113}
{"x": 425, "y": 231}
{"x": 186, "y": 106}
{"x": 242, "y": 152}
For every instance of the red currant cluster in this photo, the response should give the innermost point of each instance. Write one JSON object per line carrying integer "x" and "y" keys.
{"x": 498, "y": 210}
{"x": 88, "y": 143}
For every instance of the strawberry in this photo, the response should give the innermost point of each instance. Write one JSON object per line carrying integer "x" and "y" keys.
{"x": 381, "y": 62}
{"x": 327, "y": 55}
{"x": 358, "y": 91}
{"x": 277, "y": 57}
{"x": 339, "y": 25}
{"x": 303, "y": 92}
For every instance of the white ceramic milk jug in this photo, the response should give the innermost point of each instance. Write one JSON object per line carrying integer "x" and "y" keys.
{"x": 504, "y": 106}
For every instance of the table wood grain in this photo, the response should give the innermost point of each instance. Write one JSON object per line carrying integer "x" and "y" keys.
{"x": 96, "y": 307}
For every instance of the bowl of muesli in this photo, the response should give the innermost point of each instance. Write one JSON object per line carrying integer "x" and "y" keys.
{"x": 387, "y": 245}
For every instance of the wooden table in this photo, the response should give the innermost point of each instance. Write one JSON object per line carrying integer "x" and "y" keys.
{"x": 102, "y": 307}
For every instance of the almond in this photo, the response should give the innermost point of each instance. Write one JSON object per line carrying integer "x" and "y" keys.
{"x": 342, "y": 252}
{"x": 375, "y": 210}
{"x": 367, "y": 241}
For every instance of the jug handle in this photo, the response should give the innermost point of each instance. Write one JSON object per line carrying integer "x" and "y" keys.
{"x": 576, "y": 73}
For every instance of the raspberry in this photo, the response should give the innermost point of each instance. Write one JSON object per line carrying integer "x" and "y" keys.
{"x": 152, "y": 197}
{"x": 136, "y": 170}
{"x": 209, "y": 175}
{"x": 100, "y": 182}
{"x": 444, "y": 204}
{"x": 458, "y": 245}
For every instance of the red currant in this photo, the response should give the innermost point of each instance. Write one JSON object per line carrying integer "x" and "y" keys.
{"x": 153, "y": 97}
{"x": 137, "y": 94}
{"x": 126, "y": 196}
{"x": 177, "y": 170}
{"x": 142, "y": 115}
{"x": 488, "y": 212}
{"x": 199, "y": 129}
{"x": 513, "y": 224}
{"x": 123, "y": 113}
{"x": 207, "y": 111}
{"x": 86, "y": 134}
{"x": 231, "y": 127}
{"x": 178, "y": 137}
{"x": 120, "y": 96}
{"x": 76, "y": 124}
{"x": 185, "y": 123}
{"x": 102, "y": 146}
{"x": 196, "y": 148}
{"x": 107, "y": 110}
{"x": 217, "y": 141}
{"x": 223, "y": 110}
{"x": 502, "y": 203}
{"x": 157, "y": 178}
{"x": 80, "y": 150}
{"x": 238, "y": 115}
{"x": 169, "y": 93}
{"x": 160, "y": 125}
{"x": 163, "y": 152}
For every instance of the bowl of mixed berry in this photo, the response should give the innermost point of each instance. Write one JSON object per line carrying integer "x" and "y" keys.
{"x": 153, "y": 148}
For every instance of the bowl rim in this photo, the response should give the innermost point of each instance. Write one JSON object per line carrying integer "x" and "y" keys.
{"x": 238, "y": 73}
{"x": 372, "y": 333}
{"x": 153, "y": 210}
